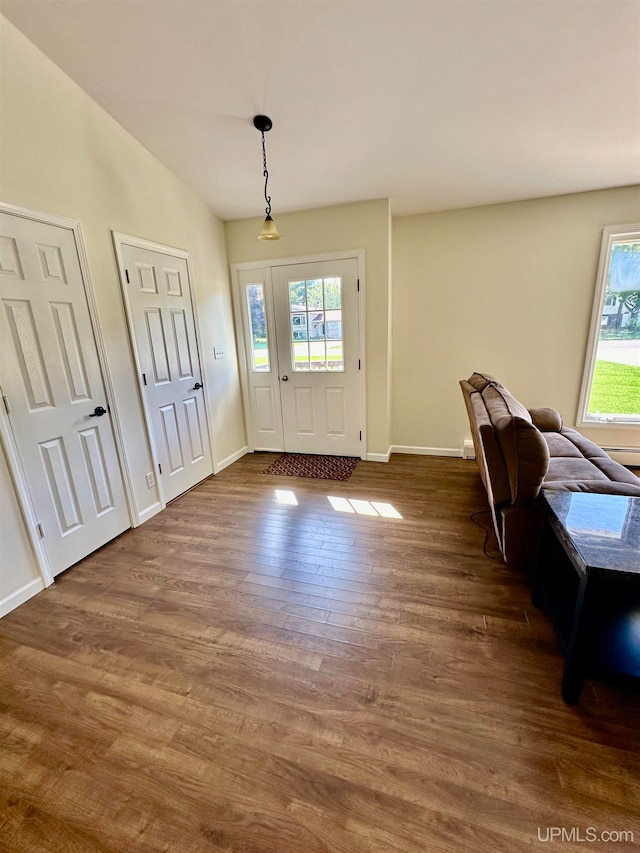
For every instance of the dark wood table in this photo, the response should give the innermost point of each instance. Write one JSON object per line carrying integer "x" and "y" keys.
{"x": 588, "y": 581}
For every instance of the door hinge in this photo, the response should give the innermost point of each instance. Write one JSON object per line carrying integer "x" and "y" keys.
{"x": 144, "y": 378}
{"x": 160, "y": 467}
{"x": 40, "y": 529}
{"x": 126, "y": 272}
{"x": 358, "y": 285}
{"x": 6, "y": 404}
{"x": 360, "y": 435}
{"x": 359, "y": 368}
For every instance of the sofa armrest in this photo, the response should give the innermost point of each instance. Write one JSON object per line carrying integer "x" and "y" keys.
{"x": 547, "y": 420}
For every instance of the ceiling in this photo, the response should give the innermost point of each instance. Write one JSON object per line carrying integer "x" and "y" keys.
{"x": 435, "y": 104}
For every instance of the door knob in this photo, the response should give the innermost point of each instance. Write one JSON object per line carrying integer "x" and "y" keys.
{"x": 197, "y": 386}
{"x": 284, "y": 378}
{"x": 98, "y": 412}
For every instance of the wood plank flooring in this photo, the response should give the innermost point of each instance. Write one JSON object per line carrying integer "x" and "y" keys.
{"x": 247, "y": 676}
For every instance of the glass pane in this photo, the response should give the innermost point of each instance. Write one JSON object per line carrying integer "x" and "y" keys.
{"x": 258, "y": 328}
{"x": 335, "y": 357}
{"x": 299, "y": 327}
{"x": 301, "y": 355}
{"x": 314, "y": 295}
{"x": 615, "y": 387}
{"x": 316, "y": 326}
{"x": 318, "y": 355}
{"x": 297, "y": 296}
{"x": 334, "y": 325}
{"x": 332, "y": 293}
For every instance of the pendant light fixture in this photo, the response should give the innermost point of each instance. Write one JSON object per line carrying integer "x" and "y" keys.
{"x": 269, "y": 229}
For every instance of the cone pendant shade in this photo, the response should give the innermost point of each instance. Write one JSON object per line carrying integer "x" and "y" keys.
{"x": 269, "y": 230}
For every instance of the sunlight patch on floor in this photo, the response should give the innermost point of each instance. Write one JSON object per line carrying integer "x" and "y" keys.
{"x": 286, "y": 496}
{"x": 374, "y": 508}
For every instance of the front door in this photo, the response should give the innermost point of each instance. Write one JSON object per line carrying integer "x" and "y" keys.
{"x": 160, "y": 313}
{"x": 317, "y": 337}
{"x": 54, "y": 391}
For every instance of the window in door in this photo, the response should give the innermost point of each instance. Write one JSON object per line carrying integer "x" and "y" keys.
{"x": 315, "y": 308}
{"x": 260, "y": 361}
{"x": 611, "y": 384}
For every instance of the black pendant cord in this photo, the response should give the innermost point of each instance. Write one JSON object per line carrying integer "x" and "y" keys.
{"x": 267, "y": 198}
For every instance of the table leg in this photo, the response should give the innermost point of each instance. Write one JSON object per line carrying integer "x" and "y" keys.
{"x": 574, "y": 667}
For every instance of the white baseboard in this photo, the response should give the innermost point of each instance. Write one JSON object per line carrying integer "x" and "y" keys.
{"x": 20, "y": 596}
{"x": 149, "y": 512}
{"x": 231, "y": 459}
{"x": 427, "y": 451}
{"x": 379, "y": 457}
{"x": 468, "y": 449}
{"x": 625, "y": 455}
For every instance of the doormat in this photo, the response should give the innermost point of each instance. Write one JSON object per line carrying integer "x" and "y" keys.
{"x": 316, "y": 467}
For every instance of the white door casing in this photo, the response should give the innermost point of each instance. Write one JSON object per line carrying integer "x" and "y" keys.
{"x": 52, "y": 379}
{"x": 318, "y": 408}
{"x": 160, "y": 313}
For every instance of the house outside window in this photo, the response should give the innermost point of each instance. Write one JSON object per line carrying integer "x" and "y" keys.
{"x": 299, "y": 327}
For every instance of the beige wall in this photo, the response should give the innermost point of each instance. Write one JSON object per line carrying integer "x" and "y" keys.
{"x": 61, "y": 153}
{"x": 507, "y": 289}
{"x": 364, "y": 225}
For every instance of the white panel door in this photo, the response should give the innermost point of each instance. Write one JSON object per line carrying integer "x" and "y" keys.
{"x": 50, "y": 375}
{"x": 316, "y": 321}
{"x": 158, "y": 297}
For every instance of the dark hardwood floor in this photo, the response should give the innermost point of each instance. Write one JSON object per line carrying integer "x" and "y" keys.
{"x": 249, "y": 676}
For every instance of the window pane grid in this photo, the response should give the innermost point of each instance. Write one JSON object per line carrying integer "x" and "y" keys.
{"x": 315, "y": 308}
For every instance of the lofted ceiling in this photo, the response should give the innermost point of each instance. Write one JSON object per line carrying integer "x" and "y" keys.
{"x": 435, "y": 104}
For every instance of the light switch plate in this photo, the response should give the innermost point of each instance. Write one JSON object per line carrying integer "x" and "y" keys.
{"x": 218, "y": 352}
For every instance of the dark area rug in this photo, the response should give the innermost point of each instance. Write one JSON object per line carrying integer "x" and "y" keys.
{"x": 316, "y": 467}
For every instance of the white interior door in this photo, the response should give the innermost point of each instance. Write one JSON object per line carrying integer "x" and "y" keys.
{"x": 316, "y": 323}
{"x": 55, "y": 395}
{"x": 160, "y": 314}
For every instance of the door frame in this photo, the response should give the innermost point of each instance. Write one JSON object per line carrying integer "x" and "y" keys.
{"x": 349, "y": 254}
{"x": 16, "y": 470}
{"x": 120, "y": 239}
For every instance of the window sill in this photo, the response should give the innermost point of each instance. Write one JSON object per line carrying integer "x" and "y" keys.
{"x": 608, "y": 422}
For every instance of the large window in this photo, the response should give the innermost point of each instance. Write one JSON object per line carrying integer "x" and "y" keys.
{"x": 611, "y": 384}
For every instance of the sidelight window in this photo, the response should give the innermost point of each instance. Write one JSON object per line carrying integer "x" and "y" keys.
{"x": 260, "y": 361}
